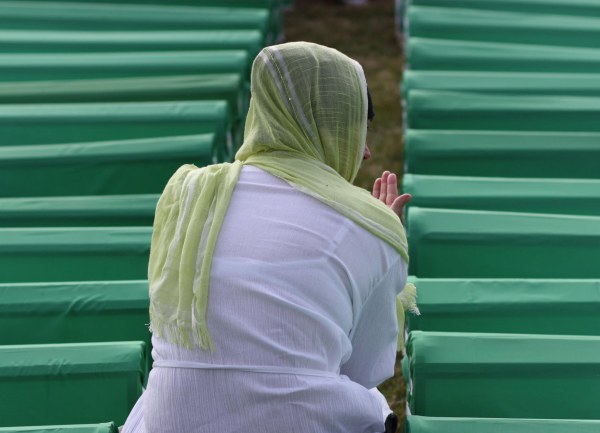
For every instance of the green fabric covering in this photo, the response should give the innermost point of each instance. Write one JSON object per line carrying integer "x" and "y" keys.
{"x": 582, "y": 8}
{"x": 449, "y": 55}
{"x": 25, "y": 15}
{"x": 495, "y": 26}
{"x": 72, "y": 428}
{"x": 559, "y": 196}
{"x": 75, "y": 312}
{"x": 430, "y": 109}
{"x": 69, "y": 383}
{"x": 228, "y": 87}
{"x": 73, "y": 254}
{"x": 513, "y": 83}
{"x": 79, "y": 66}
{"x": 109, "y": 167}
{"x": 49, "y": 41}
{"x": 503, "y": 153}
{"x": 91, "y": 211}
{"x": 477, "y": 244}
{"x": 519, "y": 306}
{"x": 422, "y": 424}
{"x": 504, "y": 375}
{"x": 26, "y": 124}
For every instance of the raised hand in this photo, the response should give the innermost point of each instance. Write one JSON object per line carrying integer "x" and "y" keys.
{"x": 385, "y": 189}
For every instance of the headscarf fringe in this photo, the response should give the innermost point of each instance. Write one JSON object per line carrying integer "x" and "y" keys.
{"x": 408, "y": 298}
{"x": 181, "y": 334}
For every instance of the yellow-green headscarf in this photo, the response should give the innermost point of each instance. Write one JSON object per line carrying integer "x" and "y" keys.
{"x": 307, "y": 125}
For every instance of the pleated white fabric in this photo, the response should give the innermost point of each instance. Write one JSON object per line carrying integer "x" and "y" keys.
{"x": 303, "y": 315}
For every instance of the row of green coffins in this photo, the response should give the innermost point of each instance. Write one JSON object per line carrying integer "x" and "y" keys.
{"x": 31, "y": 15}
{"x": 145, "y": 171}
{"x": 503, "y": 153}
{"x": 491, "y": 375}
{"x": 433, "y": 109}
{"x": 498, "y": 26}
{"x": 444, "y": 244}
{"x": 423, "y": 424}
{"x": 454, "y": 55}
{"x": 577, "y": 8}
{"x": 79, "y": 383}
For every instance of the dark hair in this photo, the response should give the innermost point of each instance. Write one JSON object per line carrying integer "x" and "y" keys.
{"x": 370, "y": 110}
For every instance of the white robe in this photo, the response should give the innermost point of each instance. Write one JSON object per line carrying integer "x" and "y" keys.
{"x": 302, "y": 313}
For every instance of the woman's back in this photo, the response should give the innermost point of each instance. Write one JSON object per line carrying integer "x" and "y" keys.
{"x": 294, "y": 287}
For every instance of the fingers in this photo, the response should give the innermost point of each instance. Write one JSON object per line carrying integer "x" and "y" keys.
{"x": 377, "y": 187}
{"x": 385, "y": 189}
{"x": 399, "y": 203}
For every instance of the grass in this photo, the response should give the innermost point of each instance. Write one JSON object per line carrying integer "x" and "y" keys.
{"x": 367, "y": 34}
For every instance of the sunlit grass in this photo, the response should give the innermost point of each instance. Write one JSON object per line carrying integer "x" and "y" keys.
{"x": 365, "y": 33}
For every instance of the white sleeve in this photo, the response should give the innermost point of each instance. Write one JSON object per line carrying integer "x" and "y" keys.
{"x": 374, "y": 336}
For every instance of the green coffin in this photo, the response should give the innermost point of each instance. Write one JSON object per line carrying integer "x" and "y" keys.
{"x": 514, "y": 83}
{"x": 559, "y": 196}
{"x": 49, "y": 41}
{"x": 26, "y": 15}
{"x": 77, "y": 211}
{"x": 430, "y": 109}
{"x": 75, "y": 312}
{"x": 69, "y": 428}
{"x": 478, "y": 244}
{"x": 449, "y": 55}
{"x": 97, "y": 168}
{"x": 27, "y": 124}
{"x": 503, "y": 153}
{"x": 86, "y": 66}
{"x": 423, "y": 424}
{"x": 495, "y": 26}
{"x": 504, "y": 375}
{"x": 584, "y": 8}
{"x": 73, "y": 254}
{"x": 516, "y": 306}
{"x": 69, "y": 383}
{"x": 212, "y": 87}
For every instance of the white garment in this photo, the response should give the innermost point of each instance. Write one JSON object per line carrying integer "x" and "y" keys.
{"x": 302, "y": 315}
